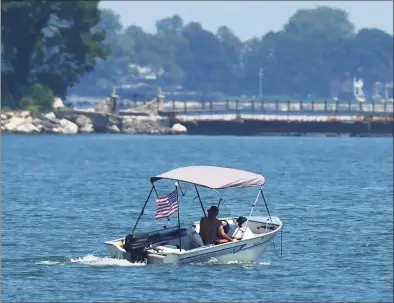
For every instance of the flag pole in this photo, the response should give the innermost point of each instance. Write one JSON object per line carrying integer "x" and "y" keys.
{"x": 179, "y": 221}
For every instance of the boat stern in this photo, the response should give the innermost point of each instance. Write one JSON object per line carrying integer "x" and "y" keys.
{"x": 115, "y": 248}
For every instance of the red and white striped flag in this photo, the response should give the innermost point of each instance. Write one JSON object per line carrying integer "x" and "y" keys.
{"x": 168, "y": 205}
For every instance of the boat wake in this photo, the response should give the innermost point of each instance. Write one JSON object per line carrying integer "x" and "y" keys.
{"x": 106, "y": 261}
{"x": 91, "y": 260}
{"x": 48, "y": 263}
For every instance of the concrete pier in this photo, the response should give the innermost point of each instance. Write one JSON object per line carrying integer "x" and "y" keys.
{"x": 282, "y": 118}
{"x": 295, "y": 128}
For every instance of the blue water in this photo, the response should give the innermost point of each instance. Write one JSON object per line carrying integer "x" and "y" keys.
{"x": 63, "y": 196}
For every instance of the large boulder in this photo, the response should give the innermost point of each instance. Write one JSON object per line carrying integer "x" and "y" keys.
{"x": 27, "y": 128}
{"x": 49, "y": 123}
{"x": 4, "y": 119}
{"x": 57, "y": 130}
{"x": 45, "y": 122}
{"x": 36, "y": 121}
{"x": 67, "y": 127}
{"x": 87, "y": 128}
{"x": 82, "y": 120}
{"x": 57, "y": 103}
{"x": 84, "y": 123}
{"x": 14, "y": 122}
{"x": 10, "y": 114}
{"x": 40, "y": 127}
{"x": 113, "y": 129}
{"x": 99, "y": 121}
{"x": 50, "y": 116}
{"x": 23, "y": 114}
{"x": 179, "y": 128}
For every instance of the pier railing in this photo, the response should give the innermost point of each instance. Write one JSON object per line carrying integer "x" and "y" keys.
{"x": 272, "y": 107}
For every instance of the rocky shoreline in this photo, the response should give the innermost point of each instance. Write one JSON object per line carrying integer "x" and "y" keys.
{"x": 67, "y": 121}
{"x": 102, "y": 118}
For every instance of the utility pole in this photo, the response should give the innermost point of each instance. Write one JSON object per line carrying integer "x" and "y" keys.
{"x": 261, "y": 73}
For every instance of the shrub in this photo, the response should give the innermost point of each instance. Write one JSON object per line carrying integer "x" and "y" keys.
{"x": 7, "y": 101}
{"x": 37, "y": 97}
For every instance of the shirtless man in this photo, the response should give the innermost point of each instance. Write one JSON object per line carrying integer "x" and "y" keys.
{"x": 210, "y": 226}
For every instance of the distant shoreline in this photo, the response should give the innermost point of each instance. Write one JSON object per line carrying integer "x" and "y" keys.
{"x": 70, "y": 121}
{"x": 306, "y": 135}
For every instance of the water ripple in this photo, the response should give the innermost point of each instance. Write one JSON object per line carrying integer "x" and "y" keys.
{"x": 63, "y": 196}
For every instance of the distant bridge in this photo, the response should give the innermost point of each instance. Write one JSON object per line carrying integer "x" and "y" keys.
{"x": 254, "y": 107}
{"x": 174, "y": 108}
{"x": 282, "y": 118}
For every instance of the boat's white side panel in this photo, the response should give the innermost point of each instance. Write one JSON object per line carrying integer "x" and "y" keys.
{"x": 250, "y": 253}
{"x": 243, "y": 251}
{"x": 247, "y": 250}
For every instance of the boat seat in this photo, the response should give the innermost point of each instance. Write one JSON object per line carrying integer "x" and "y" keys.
{"x": 232, "y": 228}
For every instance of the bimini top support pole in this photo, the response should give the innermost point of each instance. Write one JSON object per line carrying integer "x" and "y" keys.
{"x": 179, "y": 220}
{"x": 142, "y": 211}
{"x": 251, "y": 211}
{"x": 266, "y": 206}
{"x": 199, "y": 198}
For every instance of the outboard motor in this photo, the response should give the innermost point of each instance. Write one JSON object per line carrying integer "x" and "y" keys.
{"x": 136, "y": 245}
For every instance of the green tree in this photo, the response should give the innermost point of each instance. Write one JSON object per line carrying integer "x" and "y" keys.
{"x": 37, "y": 97}
{"x": 49, "y": 42}
{"x": 210, "y": 68}
{"x": 372, "y": 57}
{"x": 232, "y": 48}
{"x": 111, "y": 70}
{"x": 315, "y": 47}
{"x": 300, "y": 57}
{"x": 170, "y": 26}
{"x": 173, "y": 50}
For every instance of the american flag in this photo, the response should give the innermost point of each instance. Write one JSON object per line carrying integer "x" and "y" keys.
{"x": 168, "y": 205}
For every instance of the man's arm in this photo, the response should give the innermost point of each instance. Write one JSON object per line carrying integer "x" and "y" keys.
{"x": 223, "y": 234}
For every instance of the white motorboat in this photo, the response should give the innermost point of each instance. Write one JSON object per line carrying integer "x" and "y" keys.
{"x": 182, "y": 244}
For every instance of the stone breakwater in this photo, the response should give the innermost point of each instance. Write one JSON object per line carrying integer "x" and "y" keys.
{"x": 78, "y": 121}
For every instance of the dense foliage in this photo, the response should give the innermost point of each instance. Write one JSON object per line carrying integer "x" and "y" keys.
{"x": 46, "y": 46}
{"x": 315, "y": 48}
{"x": 63, "y": 46}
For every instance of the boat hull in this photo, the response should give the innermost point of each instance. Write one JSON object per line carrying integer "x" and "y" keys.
{"x": 246, "y": 250}
{"x": 241, "y": 251}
